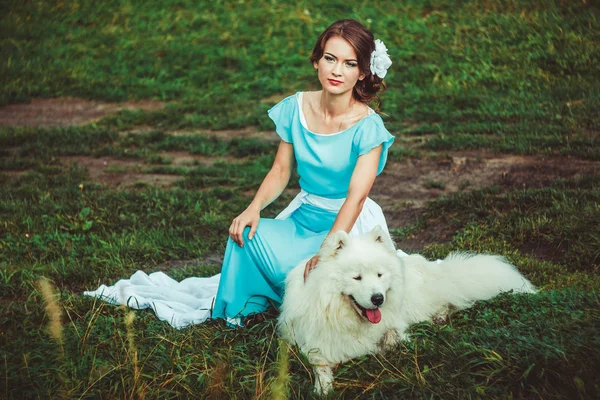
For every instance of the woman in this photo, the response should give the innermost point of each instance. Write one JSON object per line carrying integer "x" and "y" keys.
{"x": 339, "y": 146}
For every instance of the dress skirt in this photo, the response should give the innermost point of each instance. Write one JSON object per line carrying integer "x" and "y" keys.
{"x": 253, "y": 276}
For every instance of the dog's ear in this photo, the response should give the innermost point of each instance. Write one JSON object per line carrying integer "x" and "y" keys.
{"x": 334, "y": 243}
{"x": 380, "y": 236}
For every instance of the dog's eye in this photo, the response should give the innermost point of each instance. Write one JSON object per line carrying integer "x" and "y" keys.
{"x": 357, "y": 278}
{"x": 379, "y": 275}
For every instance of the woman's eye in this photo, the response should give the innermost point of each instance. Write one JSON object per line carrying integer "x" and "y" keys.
{"x": 329, "y": 59}
{"x": 351, "y": 65}
{"x": 357, "y": 278}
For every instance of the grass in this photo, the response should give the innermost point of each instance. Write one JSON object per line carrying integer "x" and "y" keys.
{"x": 509, "y": 77}
{"x": 514, "y": 76}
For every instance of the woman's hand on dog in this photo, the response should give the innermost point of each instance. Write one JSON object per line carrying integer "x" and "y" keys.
{"x": 250, "y": 217}
{"x": 310, "y": 265}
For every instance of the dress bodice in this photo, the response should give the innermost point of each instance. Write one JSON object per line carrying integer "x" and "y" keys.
{"x": 325, "y": 162}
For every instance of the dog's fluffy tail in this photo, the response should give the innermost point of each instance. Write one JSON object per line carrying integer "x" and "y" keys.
{"x": 461, "y": 278}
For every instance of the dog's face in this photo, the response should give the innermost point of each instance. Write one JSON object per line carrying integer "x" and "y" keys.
{"x": 364, "y": 270}
{"x": 366, "y": 287}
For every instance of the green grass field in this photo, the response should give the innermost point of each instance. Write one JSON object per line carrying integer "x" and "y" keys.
{"x": 505, "y": 78}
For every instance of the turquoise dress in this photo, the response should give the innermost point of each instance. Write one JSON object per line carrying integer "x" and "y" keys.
{"x": 253, "y": 276}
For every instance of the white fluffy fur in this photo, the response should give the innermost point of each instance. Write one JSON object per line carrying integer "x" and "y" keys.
{"x": 319, "y": 315}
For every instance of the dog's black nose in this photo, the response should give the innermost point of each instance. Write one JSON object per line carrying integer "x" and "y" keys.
{"x": 377, "y": 299}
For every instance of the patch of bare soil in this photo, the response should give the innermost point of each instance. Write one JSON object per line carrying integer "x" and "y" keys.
{"x": 405, "y": 187}
{"x": 119, "y": 174}
{"x": 225, "y": 134}
{"x": 66, "y": 111}
{"x": 14, "y": 173}
{"x": 185, "y": 159}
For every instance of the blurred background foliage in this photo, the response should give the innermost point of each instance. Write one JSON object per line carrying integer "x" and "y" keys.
{"x": 514, "y": 75}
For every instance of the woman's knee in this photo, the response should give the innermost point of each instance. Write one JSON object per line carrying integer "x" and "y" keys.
{"x": 257, "y": 233}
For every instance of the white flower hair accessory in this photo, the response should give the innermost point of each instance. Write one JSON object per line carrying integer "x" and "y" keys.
{"x": 380, "y": 60}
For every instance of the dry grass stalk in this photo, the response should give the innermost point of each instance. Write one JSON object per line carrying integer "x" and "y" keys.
{"x": 279, "y": 390}
{"x": 216, "y": 386}
{"x": 55, "y": 329}
{"x": 53, "y": 311}
{"x": 133, "y": 354}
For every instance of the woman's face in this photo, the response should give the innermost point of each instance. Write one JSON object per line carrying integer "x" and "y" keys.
{"x": 338, "y": 68}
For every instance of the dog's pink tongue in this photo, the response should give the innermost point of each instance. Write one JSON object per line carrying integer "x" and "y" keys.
{"x": 374, "y": 316}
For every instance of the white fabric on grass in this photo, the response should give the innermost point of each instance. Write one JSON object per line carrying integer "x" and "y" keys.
{"x": 179, "y": 303}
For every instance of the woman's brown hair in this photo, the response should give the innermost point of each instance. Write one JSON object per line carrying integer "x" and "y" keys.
{"x": 363, "y": 43}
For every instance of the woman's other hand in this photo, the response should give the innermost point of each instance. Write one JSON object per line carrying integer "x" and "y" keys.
{"x": 310, "y": 265}
{"x": 250, "y": 217}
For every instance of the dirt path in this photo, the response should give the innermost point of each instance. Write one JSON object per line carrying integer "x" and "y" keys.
{"x": 404, "y": 188}
{"x": 406, "y": 185}
{"x": 66, "y": 111}
{"x": 414, "y": 182}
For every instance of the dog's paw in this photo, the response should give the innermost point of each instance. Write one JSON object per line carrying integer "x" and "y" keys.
{"x": 442, "y": 317}
{"x": 323, "y": 389}
{"x": 389, "y": 340}
{"x": 323, "y": 380}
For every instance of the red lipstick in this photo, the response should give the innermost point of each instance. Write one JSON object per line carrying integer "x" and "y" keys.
{"x": 334, "y": 82}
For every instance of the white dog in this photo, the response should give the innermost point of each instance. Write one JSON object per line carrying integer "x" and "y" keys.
{"x": 362, "y": 297}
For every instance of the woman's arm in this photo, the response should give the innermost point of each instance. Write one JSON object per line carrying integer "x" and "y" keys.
{"x": 271, "y": 187}
{"x": 361, "y": 183}
{"x": 362, "y": 180}
{"x": 277, "y": 178}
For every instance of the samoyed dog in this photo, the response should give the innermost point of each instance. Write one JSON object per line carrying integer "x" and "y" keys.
{"x": 361, "y": 297}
